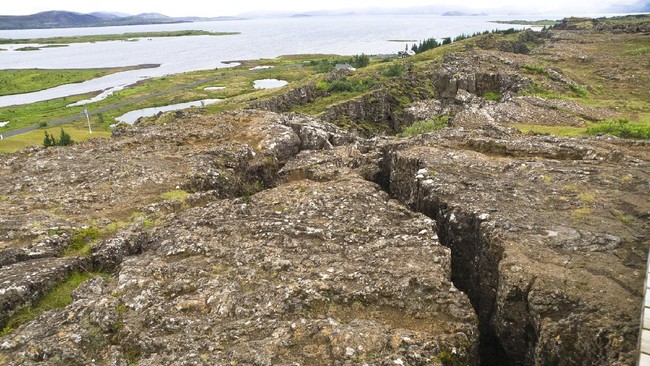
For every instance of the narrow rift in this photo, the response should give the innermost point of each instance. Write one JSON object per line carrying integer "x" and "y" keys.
{"x": 474, "y": 262}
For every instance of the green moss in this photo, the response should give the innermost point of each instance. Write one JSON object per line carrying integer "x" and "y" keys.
{"x": 82, "y": 241}
{"x": 625, "y": 219}
{"x": 57, "y": 298}
{"x": 176, "y": 194}
{"x": 537, "y": 69}
{"x": 587, "y": 198}
{"x": 493, "y": 96}
{"x": 571, "y": 187}
{"x": 421, "y": 127}
{"x": 580, "y": 214}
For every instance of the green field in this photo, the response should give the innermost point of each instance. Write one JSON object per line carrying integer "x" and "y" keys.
{"x": 18, "y": 81}
{"x": 112, "y": 37}
{"x": 162, "y": 91}
{"x": 35, "y": 138}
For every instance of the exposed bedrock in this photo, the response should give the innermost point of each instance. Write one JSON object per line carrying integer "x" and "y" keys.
{"x": 554, "y": 276}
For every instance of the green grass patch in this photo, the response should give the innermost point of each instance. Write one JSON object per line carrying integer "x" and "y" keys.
{"x": 580, "y": 214}
{"x": 81, "y": 241}
{"x": 112, "y": 37}
{"x": 579, "y": 90}
{"x": 587, "y": 198}
{"x": 35, "y": 138}
{"x": 536, "y": 69}
{"x": 639, "y": 51}
{"x": 493, "y": 96}
{"x": 621, "y": 128}
{"x": 344, "y": 84}
{"x": 571, "y": 187}
{"x": 177, "y": 194}
{"x": 57, "y": 298}
{"x": 18, "y": 81}
{"x": 625, "y": 219}
{"x": 33, "y": 114}
{"x": 422, "y": 127}
{"x": 394, "y": 70}
{"x": 562, "y": 131}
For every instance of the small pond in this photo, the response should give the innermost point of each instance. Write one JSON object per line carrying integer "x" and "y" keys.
{"x": 269, "y": 83}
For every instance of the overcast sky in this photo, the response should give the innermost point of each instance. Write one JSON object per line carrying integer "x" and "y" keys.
{"x": 219, "y": 8}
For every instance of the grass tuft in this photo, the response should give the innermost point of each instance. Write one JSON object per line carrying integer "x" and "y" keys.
{"x": 422, "y": 127}
{"x": 81, "y": 241}
{"x": 580, "y": 214}
{"x": 621, "y": 128}
{"x": 177, "y": 194}
{"x": 57, "y": 298}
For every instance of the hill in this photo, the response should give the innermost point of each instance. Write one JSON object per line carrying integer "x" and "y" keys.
{"x": 67, "y": 19}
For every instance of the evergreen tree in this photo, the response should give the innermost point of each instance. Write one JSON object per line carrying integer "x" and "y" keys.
{"x": 64, "y": 139}
{"x": 359, "y": 61}
{"x": 48, "y": 140}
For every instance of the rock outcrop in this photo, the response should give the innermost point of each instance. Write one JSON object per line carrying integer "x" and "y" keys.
{"x": 554, "y": 273}
{"x": 310, "y": 273}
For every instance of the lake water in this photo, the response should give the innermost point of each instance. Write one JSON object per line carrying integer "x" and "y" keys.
{"x": 259, "y": 38}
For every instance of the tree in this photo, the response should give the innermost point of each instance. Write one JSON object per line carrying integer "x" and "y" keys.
{"x": 49, "y": 140}
{"x": 359, "y": 61}
{"x": 64, "y": 139}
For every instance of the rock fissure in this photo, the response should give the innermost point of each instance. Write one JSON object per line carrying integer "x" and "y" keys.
{"x": 475, "y": 254}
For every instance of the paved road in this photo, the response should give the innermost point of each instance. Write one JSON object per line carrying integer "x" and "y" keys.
{"x": 113, "y": 107}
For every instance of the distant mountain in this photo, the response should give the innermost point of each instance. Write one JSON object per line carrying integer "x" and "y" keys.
{"x": 68, "y": 19}
{"x": 461, "y": 14}
{"x": 152, "y": 16}
{"x": 108, "y": 15}
{"x": 48, "y": 19}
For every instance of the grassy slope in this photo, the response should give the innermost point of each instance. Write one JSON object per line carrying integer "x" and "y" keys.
{"x": 610, "y": 74}
{"x": 18, "y": 81}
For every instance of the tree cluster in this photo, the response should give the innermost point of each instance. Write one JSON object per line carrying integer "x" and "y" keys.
{"x": 64, "y": 139}
{"x": 431, "y": 43}
{"x": 327, "y": 65}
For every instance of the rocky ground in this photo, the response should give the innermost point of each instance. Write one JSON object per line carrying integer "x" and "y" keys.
{"x": 262, "y": 238}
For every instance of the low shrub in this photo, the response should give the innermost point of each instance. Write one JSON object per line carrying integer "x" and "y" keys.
{"x": 422, "y": 127}
{"x": 621, "y": 128}
{"x": 394, "y": 70}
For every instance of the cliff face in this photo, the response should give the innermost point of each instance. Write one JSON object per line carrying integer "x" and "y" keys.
{"x": 261, "y": 238}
